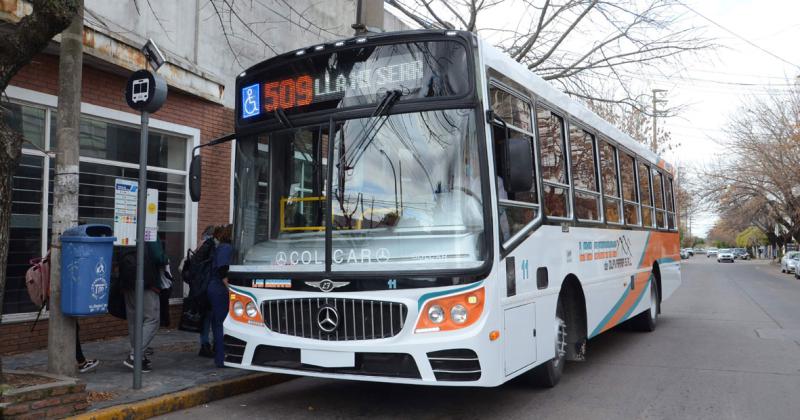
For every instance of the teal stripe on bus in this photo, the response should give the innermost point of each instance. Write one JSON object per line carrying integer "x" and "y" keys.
{"x": 428, "y": 296}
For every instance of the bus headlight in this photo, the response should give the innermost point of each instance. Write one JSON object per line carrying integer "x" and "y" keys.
{"x": 464, "y": 309}
{"x": 436, "y": 314}
{"x": 243, "y": 307}
{"x": 251, "y": 309}
{"x": 238, "y": 308}
{"x": 458, "y": 314}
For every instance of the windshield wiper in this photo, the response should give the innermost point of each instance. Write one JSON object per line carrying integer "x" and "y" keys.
{"x": 378, "y": 118}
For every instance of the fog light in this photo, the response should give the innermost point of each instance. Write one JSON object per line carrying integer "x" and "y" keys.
{"x": 251, "y": 309}
{"x": 238, "y": 308}
{"x": 458, "y": 314}
{"x": 436, "y": 314}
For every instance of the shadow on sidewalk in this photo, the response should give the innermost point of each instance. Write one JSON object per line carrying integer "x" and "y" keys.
{"x": 176, "y": 366}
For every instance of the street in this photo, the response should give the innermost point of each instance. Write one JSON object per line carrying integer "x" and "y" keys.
{"x": 727, "y": 346}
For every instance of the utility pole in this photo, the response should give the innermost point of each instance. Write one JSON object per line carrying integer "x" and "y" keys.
{"x": 369, "y": 17}
{"x": 61, "y": 329}
{"x": 656, "y": 101}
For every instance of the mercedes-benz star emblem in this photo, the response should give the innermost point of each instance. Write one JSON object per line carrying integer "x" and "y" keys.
{"x": 327, "y": 318}
{"x": 326, "y": 285}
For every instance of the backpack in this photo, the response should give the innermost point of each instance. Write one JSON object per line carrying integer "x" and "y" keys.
{"x": 197, "y": 272}
{"x": 37, "y": 281}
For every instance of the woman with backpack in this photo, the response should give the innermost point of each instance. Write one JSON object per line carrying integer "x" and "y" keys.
{"x": 218, "y": 289}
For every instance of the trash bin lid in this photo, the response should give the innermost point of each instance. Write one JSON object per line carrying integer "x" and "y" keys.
{"x": 89, "y": 233}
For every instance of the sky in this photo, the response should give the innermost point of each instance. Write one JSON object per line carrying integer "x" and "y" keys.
{"x": 757, "y": 52}
{"x": 715, "y": 86}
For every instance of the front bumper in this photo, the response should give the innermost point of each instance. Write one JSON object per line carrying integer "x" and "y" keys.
{"x": 465, "y": 357}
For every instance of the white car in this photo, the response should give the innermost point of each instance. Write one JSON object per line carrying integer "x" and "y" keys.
{"x": 790, "y": 261}
{"x": 725, "y": 254}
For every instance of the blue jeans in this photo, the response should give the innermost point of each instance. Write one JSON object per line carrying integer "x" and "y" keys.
{"x": 205, "y": 329}
{"x": 218, "y": 296}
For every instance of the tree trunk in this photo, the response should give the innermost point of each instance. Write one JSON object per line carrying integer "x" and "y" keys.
{"x": 61, "y": 329}
{"x": 27, "y": 38}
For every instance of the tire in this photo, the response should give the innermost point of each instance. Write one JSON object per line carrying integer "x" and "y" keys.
{"x": 548, "y": 374}
{"x": 646, "y": 321}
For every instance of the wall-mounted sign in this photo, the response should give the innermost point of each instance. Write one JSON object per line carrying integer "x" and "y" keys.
{"x": 125, "y": 211}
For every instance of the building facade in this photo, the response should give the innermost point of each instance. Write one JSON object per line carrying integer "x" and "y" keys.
{"x": 206, "y": 44}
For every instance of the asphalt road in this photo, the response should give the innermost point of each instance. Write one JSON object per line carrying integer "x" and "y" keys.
{"x": 727, "y": 346}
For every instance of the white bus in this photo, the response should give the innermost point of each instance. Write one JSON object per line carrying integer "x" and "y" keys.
{"x": 418, "y": 208}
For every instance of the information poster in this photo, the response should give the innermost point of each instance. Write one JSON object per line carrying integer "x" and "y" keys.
{"x": 125, "y": 193}
{"x": 151, "y": 216}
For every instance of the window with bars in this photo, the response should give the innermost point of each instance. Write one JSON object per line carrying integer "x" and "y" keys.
{"x": 108, "y": 151}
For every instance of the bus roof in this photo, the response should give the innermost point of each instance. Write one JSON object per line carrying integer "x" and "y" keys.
{"x": 500, "y": 61}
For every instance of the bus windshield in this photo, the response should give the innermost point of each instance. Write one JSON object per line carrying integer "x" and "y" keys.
{"x": 405, "y": 195}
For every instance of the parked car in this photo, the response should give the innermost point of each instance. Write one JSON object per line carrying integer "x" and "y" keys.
{"x": 741, "y": 253}
{"x": 700, "y": 251}
{"x": 690, "y": 251}
{"x": 684, "y": 254}
{"x": 789, "y": 262}
{"x": 712, "y": 252}
{"x": 725, "y": 254}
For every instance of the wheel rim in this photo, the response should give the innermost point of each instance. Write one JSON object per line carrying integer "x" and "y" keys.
{"x": 560, "y": 341}
{"x": 653, "y": 302}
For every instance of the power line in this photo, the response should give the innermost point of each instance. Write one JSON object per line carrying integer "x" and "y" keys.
{"x": 753, "y": 44}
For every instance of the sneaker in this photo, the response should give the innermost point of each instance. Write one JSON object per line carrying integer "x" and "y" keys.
{"x": 146, "y": 367}
{"x": 149, "y": 351}
{"x": 206, "y": 351}
{"x": 88, "y": 365}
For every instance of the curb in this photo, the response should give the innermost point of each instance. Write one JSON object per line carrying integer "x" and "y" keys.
{"x": 185, "y": 399}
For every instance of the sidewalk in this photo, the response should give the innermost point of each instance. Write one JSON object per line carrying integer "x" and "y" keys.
{"x": 176, "y": 367}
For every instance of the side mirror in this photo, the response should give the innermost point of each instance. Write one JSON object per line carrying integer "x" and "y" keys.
{"x": 518, "y": 167}
{"x": 195, "y": 173}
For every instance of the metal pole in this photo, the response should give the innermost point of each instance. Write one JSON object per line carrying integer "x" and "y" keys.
{"x": 141, "y": 214}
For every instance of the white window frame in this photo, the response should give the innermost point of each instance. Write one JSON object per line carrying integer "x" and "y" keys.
{"x": 50, "y": 103}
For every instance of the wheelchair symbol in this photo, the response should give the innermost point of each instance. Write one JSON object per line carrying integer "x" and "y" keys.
{"x": 250, "y": 101}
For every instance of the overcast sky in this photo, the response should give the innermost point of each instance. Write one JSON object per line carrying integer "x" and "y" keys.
{"x": 714, "y": 87}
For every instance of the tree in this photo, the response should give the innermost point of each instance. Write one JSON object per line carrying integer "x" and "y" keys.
{"x": 756, "y": 181}
{"x": 60, "y": 328}
{"x": 25, "y": 39}
{"x": 751, "y": 237}
{"x": 576, "y": 44}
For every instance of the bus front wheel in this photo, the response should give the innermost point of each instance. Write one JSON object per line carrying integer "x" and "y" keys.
{"x": 548, "y": 374}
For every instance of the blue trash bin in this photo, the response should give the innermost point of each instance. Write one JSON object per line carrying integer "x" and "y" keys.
{"x": 86, "y": 252}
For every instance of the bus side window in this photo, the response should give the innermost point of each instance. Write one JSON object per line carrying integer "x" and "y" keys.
{"x": 584, "y": 174}
{"x": 670, "y": 205}
{"x": 610, "y": 181}
{"x": 645, "y": 190}
{"x": 516, "y": 114}
{"x": 554, "y": 163}
{"x": 627, "y": 173}
{"x": 658, "y": 195}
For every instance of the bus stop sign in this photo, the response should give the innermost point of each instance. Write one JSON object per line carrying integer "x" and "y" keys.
{"x": 145, "y": 91}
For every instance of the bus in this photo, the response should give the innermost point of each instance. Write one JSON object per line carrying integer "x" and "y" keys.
{"x": 416, "y": 207}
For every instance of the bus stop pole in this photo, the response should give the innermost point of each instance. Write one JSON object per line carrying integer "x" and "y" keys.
{"x": 141, "y": 214}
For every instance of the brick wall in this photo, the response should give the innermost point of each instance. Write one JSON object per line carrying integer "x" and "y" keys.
{"x": 91, "y": 329}
{"x": 106, "y": 89}
{"x": 62, "y": 398}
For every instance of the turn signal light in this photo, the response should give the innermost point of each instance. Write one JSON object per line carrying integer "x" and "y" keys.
{"x": 451, "y": 312}
{"x": 243, "y": 308}
{"x": 494, "y": 335}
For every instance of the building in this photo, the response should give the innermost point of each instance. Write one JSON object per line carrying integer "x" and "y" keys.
{"x": 207, "y": 43}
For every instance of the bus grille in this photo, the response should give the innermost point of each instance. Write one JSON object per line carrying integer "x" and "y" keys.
{"x": 455, "y": 365}
{"x": 358, "y": 319}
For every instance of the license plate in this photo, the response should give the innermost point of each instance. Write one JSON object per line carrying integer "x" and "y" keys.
{"x": 325, "y": 358}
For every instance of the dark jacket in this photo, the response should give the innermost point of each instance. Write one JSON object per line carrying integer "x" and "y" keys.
{"x": 154, "y": 258}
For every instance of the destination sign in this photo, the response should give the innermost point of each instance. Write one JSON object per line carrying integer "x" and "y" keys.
{"x": 360, "y": 76}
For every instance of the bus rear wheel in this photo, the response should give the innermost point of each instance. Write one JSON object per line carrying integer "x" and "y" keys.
{"x": 646, "y": 321}
{"x": 548, "y": 374}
